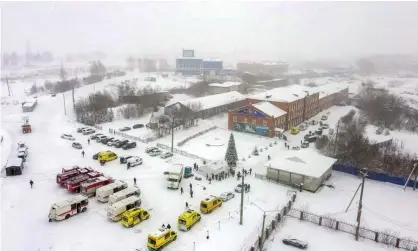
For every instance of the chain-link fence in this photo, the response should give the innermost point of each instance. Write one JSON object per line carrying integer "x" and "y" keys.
{"x": 382, "y": 237}
{"x": 180, "y": 143}
{"x": 127, "y": 136}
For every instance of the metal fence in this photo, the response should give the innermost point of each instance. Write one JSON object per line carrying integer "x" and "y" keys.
{"x": 183, "y": 153}
{"x": 127, "y": 136}
{"x": 270, "y": 227}
{"x": 196, "y": 135}
{"x": 381, "y": 237}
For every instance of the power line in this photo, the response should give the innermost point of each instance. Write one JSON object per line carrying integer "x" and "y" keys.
{"x": 399, "y": 224}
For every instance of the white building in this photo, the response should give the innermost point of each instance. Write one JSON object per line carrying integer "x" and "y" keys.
{"x": 217, "y": 88}
{"x": 306, "y": 167}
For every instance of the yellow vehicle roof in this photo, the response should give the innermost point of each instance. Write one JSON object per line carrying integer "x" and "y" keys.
{"x": 187, "y": 214}
{"x": 159, "y": 233}
{"x": 209, "y": 199}
{"x": 132, "y": 211}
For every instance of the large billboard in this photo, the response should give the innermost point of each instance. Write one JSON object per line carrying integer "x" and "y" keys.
{"x": 188, "y": 53}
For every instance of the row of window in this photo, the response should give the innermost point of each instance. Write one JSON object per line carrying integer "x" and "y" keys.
{"x": 245, "y": 120}
{"x": 189, "y": 66}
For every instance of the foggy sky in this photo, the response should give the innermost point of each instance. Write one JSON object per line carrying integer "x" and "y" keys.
{"x": 270, "y": 30}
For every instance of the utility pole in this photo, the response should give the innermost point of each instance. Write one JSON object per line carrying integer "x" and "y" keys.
{"x": 262, "y": 230}
{"x": 8, "y": 86}
{"x": 65, "y": 109}
{"x": 241, "y": 213}
{"x": 360, "y": 204}
{"x": 73, "y": 99}
{"x": 336, "y": 138}
{"x": 172, "y": 135}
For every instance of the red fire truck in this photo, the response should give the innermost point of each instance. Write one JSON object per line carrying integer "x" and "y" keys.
{"x": 90, "y": 186}
{"x": 70, "y": 173}
{"x": 73, "y": 184}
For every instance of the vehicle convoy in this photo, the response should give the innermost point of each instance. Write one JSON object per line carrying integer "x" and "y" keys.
{"x": 188, "y": 219}
{"x": 125, "y": 193}
{"x": 161, "y": 238}
{"x": 67, "y": 208}
{"x": 209, "y": 204}
{"x": 134, "y": 216}
{"x": 70, "y": 173}
{"x": 115, "y": 211}
{"x": 73, "y": 184}
{"x": 90, "y": 186}
{"x": 103, "y": 193}
{"x": 174, "y": 176}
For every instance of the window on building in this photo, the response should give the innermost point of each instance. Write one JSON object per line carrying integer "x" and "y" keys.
{"x": 245, "y": 120}
{"x": 254, "y": 122}
{"x": 264, "y": 122}
{"x": 234, "y": 118}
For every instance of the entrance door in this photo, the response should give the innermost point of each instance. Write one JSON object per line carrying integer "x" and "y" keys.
{"x": 78, "y": 207}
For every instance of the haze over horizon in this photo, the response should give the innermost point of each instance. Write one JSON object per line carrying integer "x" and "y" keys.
{"x": 227, "y": 30}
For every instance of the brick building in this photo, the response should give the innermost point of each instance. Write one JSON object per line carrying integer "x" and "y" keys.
{"x": 261, "y": 118}
{"x": 297, "y": 103}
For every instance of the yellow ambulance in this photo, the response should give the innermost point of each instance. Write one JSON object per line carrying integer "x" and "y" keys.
{"x": 134, "y": 216}
{"x": 161, "y": 238}
{"x": 188, "y": 219}
{"x": 210, "y": 204}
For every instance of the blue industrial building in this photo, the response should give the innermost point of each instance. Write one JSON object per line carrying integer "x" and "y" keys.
{"x": 190, "y": 65}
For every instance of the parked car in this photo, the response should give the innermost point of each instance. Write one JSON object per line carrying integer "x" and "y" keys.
{"x": 325, "y": 126}
{"x": 94, "y": 136}
{"x": 155, "y": 152}
{"x": 314, "y": 122}
{"x": 150, "y": 149}
{"x": 137, "y": 126}
{"x": 112, "y": 142}
{"x": 53, "y": 94}
{"x": 318, "y": 131}
{"x": 302, "y": 127}
{"x": 379, "y": 131}
{"x": 129, "y": 145}
{"x": 124, "y": 159}
{"x": 305, "y": 144}
{"x": 120, "y": 143}
{"x": 294, "y": 130}
{"x": 295, "y": 148}
{"x": 312, "y": 138}
{"x": 324, "y": 117}
{"x": 387, "y": 132}
{"x": 124, "y": 129}
{"x": 77, "y": 145}
{"x": 166, "y": 155}
{"x": 295, "y": 243}
{"x": 238, "y": 188}
{"x": 67, "y": 136}
{"x": 100, "y": 138}
{"x": 106, "y": 140}
{"x": 135, "y": 161}
{"x": 89, "y": 131}
{"x": 80, "y": 130}
{"x": 226, "y": 196}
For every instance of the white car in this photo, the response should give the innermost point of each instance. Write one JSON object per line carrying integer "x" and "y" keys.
{"x": 150, "y": 149}
{"x": 166, "y": 155}
{"x": 226, "y": 196}
{"x": 155, "y": 152}
{"x": 88, "y": 131}
{"x": 134, "y": 161}
{"x": 100, "y": 138}
{"x": 67, "y": 136}
{"x": 324, "y": 117}
{"x": 112, "y": 142}
{"x": 238, "y": 188}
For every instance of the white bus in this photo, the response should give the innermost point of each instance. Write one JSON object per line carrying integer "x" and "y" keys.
{"x": 67, "y": 208}
{"x": 115, "y": 211}
{"x": 175, "y": 175}
{"x": 125, "y": 193}
{"x": 104, "y": 192}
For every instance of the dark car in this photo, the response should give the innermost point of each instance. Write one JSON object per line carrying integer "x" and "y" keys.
{"x": 124, "y": 159}
{"x": 129, "y": 145}
{"x": 295, "y": 243}
{"x": 121, "y": 143}
{"x": 77, "y": 145}
{"x": 95, "y": 156}
{"x": 124, "y": 129}
{"x": 138, "y": 126}
{"x": 104, "y": 141}
{"x": 53, "y": 94}
{"x": 94, "y": 136}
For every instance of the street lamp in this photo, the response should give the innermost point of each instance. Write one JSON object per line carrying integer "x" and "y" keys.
{"x": 264, "y": 221}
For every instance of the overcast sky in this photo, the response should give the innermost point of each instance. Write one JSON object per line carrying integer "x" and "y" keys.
{"x": 271, "y": 30}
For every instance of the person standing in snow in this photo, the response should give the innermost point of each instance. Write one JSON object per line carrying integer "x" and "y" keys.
{"x": 168, "y": 226}
{"x": 134, "y": 181}
{"x": 31, "y": 183}
{"x": 268, "y": 157}
{"x": 181, "y": 190}
{"x": 187, "y": 205}
{"x": 190, "y": 185}
{"x": 82, "y": 153}
{"x": 251, "y": 170}
{"x": 191, "y": 193}
{"x": 88, "y": 141}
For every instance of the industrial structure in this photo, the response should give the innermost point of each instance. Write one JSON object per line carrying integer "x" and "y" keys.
{"x": 188, "y": 64}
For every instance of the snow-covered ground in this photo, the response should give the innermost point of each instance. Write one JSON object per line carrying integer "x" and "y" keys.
{"x": 24, "y": 213}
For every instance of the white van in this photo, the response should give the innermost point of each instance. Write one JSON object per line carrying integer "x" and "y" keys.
{"x": 103, "y": 192}
{"x": 125, "y": 193}
{"x": 115, "y": 211}
{"x": 67, "y": 208}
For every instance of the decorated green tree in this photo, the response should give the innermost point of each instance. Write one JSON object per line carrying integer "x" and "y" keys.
{"x": 231, "y": 155}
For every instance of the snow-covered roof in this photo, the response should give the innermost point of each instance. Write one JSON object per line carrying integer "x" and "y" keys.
{"x": 14, "y": 161}
{"x": 212, "y": 101}
{"x": 29, "y": 103}
{"x": 328, "y": 89}
{"x": 282, "y": 94}
{"x": 271, "y": 80}
{"x": 306, "y": 162}
{"x": 269, "y": 109}
{"x": 70, "y": 201}
{"x": 225, "y": 84}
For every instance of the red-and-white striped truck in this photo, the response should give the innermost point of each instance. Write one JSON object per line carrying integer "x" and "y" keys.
{"x": 70, "y": 173}
{"x": 89, "y": 187}
{"x": 73, "y": 184}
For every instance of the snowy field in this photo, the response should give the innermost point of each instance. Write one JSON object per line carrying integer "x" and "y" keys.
{"x": 319, "y": 238}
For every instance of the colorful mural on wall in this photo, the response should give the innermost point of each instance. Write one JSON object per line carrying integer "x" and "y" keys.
{"x": 249, "y": 128}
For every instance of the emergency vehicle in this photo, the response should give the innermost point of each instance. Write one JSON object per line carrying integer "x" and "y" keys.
{"x": 134, "y": 216}
{"x": 67, "y": 208}
{"x": 71, "y": 172}
{"x": 160, "y": 239}
{"x": 73, "y": 184}
{"x": 125, "y": 193}
{"x": 104, "y": 192}
{"x": 188, "y": 219}
{"x": 115, "y": 211}
{"x": 90, "y": 186}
